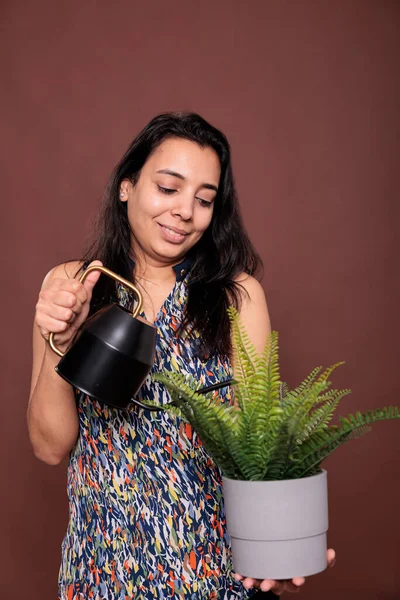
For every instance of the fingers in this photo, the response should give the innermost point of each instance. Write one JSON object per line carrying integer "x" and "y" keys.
{"x": 248, "y": 582}
{"x": 59, "y": 309}
{"x": 69, "y": 295}
{"x": 66, "y": 306}
{"x": 285, "y": 587}
{"x": 298, "y": 581}
{"x": 266, "y": 585}
{"x": 279, "y": 587}
{"x": 52, "y": 326}
{"x": 331, "y": 557}
{"x": 64, "y": 292}
{"x": 61, "y": 302}
{"x": 63, "y": 305}
{"x": 68, "y": 299}
{"x": 56, "y": 306}
{"x": 91, "y": 279}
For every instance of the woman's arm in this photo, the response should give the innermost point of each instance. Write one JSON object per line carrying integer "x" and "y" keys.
{"x": 254, "y": 311}
{"x": 52, "y": 416}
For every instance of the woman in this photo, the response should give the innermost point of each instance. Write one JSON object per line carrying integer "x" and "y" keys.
{"x": 146, "y": 507}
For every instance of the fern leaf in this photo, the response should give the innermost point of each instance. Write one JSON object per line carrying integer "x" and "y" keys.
{"x": 298, "y": 412}
{"x": 214, "y": 423}
{"x": 244, "y": 358}
{"x": 264, "y": 412}
{"x": 272, "y": 433}
{"x": 321, "y": 444}
{"x": 302, "y": 388}
{"x": 322, "y": 414}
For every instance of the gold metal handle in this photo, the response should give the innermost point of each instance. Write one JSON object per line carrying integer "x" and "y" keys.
{"x": 113, "y": 275}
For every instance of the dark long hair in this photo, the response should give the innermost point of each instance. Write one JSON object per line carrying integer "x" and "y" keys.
{"x": 223, "y": 252}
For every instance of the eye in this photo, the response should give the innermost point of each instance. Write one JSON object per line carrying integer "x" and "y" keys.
{"x": 204, "y": 202}
{"x": 165, "y": 190}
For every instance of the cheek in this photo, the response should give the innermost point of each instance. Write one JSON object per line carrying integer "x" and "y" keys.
{"x": 203, "y": 220}
{"x": 148, "y": 206}
{"x": 156, "y": 206}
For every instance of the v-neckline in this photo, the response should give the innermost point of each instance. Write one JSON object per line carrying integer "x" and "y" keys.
{"x": 167, "y": 300}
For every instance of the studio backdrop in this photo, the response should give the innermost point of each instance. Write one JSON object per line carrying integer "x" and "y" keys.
{"x": 307, "y": 93}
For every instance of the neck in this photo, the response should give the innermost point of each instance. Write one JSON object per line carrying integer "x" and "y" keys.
{"x": 153, "y": 269}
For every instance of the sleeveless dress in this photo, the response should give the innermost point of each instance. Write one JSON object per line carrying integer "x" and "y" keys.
{"x": 145, "y": 499}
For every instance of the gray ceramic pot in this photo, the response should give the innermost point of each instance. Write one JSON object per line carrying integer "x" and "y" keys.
{"x": 278, "y": 528}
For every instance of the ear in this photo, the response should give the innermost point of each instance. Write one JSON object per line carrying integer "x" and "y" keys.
{"x": 124, "y": 190}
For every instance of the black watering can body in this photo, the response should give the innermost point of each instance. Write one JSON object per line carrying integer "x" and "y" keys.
{"x": 112, "y": 353}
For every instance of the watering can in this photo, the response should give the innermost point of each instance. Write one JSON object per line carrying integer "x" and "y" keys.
{"x": 113, "y": 351}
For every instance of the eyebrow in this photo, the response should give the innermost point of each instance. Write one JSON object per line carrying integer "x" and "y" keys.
{"x": 208, "y": 186}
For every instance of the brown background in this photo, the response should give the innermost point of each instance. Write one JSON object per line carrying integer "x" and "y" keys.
{"x": 308, "y": 95}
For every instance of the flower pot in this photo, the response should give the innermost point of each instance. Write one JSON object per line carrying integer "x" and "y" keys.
{"x": 278, "y": 528}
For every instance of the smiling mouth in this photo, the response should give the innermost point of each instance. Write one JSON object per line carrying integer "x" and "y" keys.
{"x": 176, "y": 233}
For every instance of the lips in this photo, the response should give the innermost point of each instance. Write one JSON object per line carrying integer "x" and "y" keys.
{"x": 173, "y": 235}
{"x": 175, "y": 229}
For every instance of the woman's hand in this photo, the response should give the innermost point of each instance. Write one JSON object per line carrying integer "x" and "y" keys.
{"x": 279, "y": 587}
{"x": 63, "y": 306}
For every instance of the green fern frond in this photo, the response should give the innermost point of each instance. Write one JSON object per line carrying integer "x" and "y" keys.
{"x": 271, "y": 432}
{"x": 244, "y": 357}
{"x": 301, "y": 416}
{"x": 241, "y": 344}
{"x": 322, "y": 443}
{"x": 264, "y": 413}
{"x": 283, "y": 392}
{"x": 322, "y": 414}
{"x": 215, "y": 424}
{"x": 290, "y": 430}
{"x": 303, "y": 387}
{"x": 325, "y": 374}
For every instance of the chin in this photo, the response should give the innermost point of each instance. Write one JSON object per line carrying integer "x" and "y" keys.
{"x": 173, "y": 250}
{"x": 171, "y": 253}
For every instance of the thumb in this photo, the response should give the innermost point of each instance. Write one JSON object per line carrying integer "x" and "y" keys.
{"x": 91, "y": 279}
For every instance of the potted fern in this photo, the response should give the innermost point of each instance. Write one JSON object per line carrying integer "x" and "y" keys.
{"x": 269, "y": 446}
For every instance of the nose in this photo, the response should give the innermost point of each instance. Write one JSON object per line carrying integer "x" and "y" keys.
{"x": 183, "y": 206}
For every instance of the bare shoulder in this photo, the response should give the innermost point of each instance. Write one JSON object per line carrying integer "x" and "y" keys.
{"x": 68, "y": 270}
{"x": 253, "y": 289}
{"x": 253, "y": 310}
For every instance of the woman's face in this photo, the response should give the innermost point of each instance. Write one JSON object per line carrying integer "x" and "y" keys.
{"x": 172, "y": 203}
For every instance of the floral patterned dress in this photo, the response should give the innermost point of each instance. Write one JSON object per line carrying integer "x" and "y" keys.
{"x": 146, "y": 508}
